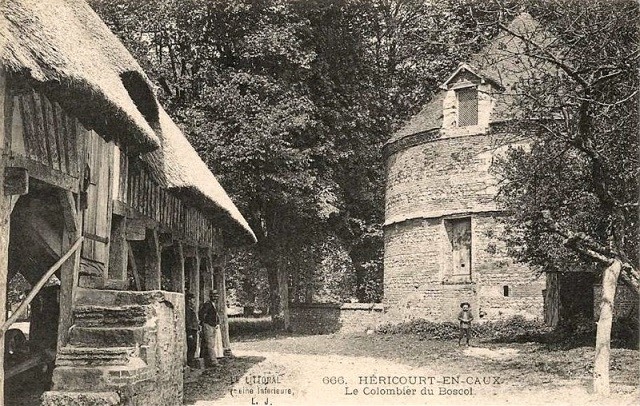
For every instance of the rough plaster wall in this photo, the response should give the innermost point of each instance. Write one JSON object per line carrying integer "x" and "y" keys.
{"x": 441, "y": 177}
{"x": 324, "y": 318}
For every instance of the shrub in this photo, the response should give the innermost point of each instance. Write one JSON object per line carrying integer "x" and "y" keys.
{"x": 513, "y": 329}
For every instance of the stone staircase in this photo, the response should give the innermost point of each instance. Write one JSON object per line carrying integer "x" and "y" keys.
{"x": 107, "y": 351}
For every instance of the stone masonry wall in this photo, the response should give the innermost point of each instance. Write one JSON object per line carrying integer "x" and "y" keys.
{"x": 327, "y": 318}
{"x": 441, "y": 177}
{"x": 127, "y": 348}
{"x": 413, "y": 283}
{"x": 169, "y": 351}
{"x": 428, "y": 184}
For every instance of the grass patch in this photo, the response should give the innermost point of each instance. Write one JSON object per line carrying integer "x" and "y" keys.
{"x": 515, "y": 329}
{"x": 579, "y": 333}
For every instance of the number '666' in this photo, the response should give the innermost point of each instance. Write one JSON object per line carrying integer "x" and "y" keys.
{"x": 333, "y": 380}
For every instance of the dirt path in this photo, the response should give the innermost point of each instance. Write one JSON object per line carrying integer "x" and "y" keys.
{"x": 300, "y": 379}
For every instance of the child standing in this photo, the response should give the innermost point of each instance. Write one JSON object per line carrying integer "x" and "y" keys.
{"x": 465, "y": 318}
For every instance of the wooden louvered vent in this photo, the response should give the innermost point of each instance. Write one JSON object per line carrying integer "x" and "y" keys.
{"x": 467, "y": 106}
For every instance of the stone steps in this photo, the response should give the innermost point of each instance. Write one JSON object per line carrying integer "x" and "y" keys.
{"x": 95, "y": 356}
{"x": 110, "y": 316}
{"x": 127, "y": 336}
{"x": 100, "y": 378}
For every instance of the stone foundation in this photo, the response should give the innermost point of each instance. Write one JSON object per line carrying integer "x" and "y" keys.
{"x": 327, "y": 318}
{"x": 416, "y": 285}
{"x": 125, "y": 348}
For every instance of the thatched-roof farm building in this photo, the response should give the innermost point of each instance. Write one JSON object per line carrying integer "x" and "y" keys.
{"x": 103, "y": 193}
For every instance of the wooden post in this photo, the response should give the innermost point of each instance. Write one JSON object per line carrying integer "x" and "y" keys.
{"x": 69, "y": 271}
{"x": 194, "y": 279}
{"x": 6, "y": 109}
{"x": 5, "y": 220}
{"x": 222, "y": 305}
{"x": 207, "y": 275}
{"x": 152, "y": 269}
{"x": 177, "y": 271}
{"x": 118, "y": 250}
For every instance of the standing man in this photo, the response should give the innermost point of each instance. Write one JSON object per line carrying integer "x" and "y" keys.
{"x": 212, "y": 337}
{"x": 192, "y": 326}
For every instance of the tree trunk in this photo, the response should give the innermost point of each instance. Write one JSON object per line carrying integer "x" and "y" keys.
{"x": 279, "y": 297}
{"x": 603, "y": 332}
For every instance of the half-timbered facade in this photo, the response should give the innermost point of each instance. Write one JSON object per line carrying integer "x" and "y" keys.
{"x": 102, "y": 192}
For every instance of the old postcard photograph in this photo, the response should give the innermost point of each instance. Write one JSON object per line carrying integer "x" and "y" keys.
{"x": 319, "y": 202}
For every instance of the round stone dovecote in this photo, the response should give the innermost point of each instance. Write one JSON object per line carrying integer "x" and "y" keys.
{"x": 442, "y": 223}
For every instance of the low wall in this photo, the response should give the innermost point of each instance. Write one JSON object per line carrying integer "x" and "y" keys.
{"x": 327, "y": 318}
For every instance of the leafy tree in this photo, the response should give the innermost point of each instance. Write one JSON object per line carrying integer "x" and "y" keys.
{"x": 572, "y": 192}
{"x": 290, "y": 102}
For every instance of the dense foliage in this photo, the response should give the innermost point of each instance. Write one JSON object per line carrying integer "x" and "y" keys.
{"x": 289, "y": 103}
{"x": 572, "y": 192}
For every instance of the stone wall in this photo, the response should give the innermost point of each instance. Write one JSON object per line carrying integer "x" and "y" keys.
{"x": 124, "y": 346}
{"x": 441, "y": 177}
{"x": 414, "y": 285}
{"x": 327, "y": 318}
{"x": 429, "y": 184}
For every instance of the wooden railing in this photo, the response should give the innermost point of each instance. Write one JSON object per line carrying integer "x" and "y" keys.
{"x": 36, "y": 289}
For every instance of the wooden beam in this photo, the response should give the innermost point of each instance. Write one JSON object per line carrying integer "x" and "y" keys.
{"x": 194, "y": 278}
{"x": 136, "y": 229}
{"x": 46, "y": 174}
{"x": 177, "y": 271}
{"x": 166, "y": 240}
{"x": 14, "y": 200}
{"x": 153, "y": 258}
{"x": 69, "y": 271}
{"x": 69, "y": 211}
{"x": 190, "y": 251}
{"x": 6, "y": 98}
{"x": 16, "y": 181}
{"x": 222, "y": 306}
{"x": 134, "y": 266}
{"x": 5, "y": 216}
{"x": 118, "y": 249}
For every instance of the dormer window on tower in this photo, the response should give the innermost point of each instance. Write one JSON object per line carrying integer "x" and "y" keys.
{"x": 467, "y": 101}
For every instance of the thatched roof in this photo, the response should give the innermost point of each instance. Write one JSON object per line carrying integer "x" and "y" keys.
{"x": 500, "y": 63}
{"x": 69, "y": 53}
{"x": 177, "y": 165}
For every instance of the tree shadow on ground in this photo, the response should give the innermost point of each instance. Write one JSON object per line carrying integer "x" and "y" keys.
{"x": 243, "y": 329}
{"x": 562, "y": 339}
{"x": 214, "y": 383}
